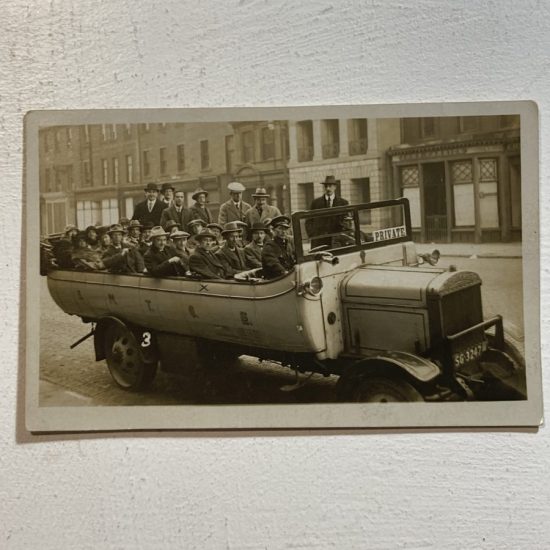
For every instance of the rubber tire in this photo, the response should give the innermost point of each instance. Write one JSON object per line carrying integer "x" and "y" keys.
{"x": 383, "y": 389}
{"x": 127, "y": 367}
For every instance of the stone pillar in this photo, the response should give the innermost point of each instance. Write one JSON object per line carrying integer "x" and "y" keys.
{"x": 372, "y": 135}
{"x": 344, "y": 141}
{"x": 317, "y": 141}
{"x": 292, "y": 141}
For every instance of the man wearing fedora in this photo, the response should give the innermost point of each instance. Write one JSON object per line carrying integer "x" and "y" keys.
{"x": 261, "y": 210}
{"x": 231, "y": 254}
{"x": 159, "y": 259}
{"x": 235, "y": 208}
{"x": 149, "y": 210}
{"x": 203, "y": 262}
{"x": 167, "y": 194}
{"x": 177, "y": 212}
{"x": 199, "y": 211}
{"x": 120, "y": 258}
{"x": 278, "y": 256}
{"x": 253, "y": 250}
{"x": 325, "y": 225}
{"x": 134, "y": 232}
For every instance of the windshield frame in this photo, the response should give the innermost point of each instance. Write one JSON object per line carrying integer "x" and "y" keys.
{"x": 354, "y": 210}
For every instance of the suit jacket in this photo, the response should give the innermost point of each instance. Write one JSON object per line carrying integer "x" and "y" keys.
{"x": 170, "y": 213}
{"x": 142, "y": 214}
{"x": 206, "y": 265}
{"x": 253, "y": 255}
{"x": 233, "y": 260}
{"x": 230, "y": 213}
{"x": 116, "y": 262}
{"x": 253, "y": 216}
{"x": 326, "y": 224}
{"x": 277, "y": 257}
{"x": 199, "y": 213}
{"x": 158, "y": 264}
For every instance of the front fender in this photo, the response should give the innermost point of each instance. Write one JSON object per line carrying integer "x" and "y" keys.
{"x": 416, "y": 370}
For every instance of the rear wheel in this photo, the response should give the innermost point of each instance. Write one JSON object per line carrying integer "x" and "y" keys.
{"x": 126, "y": 364}
{"x": 381, "y": 389}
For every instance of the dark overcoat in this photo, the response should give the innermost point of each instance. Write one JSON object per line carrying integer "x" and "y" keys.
{"x": 142, "y": 214}
{"x": 277, "y": 257}
{"x": 206, "y": 265}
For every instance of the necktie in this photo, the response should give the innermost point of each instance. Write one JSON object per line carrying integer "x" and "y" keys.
{"x": 329, "y": 202}
{"x": 150, "y": 205}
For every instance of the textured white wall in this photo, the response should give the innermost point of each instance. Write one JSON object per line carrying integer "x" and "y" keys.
{"x": 421, "y": 490}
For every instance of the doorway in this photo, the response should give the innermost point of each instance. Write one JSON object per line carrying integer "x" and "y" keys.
{"x": 435, "y": 201}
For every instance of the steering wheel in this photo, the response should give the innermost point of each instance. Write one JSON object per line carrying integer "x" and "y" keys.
{"x": 318, "y": 248}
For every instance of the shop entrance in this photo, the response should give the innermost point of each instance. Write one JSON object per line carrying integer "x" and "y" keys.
{"x": 435, "y": 201}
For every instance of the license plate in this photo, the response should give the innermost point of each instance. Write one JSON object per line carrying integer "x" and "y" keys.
{"x": 469, "y": 354}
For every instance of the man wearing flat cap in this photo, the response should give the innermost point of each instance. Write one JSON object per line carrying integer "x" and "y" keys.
{"x": 231, "y": 254}
{"x": 325, "y": 225}
{"x": 203, "y": 262}
{"x": 235, "y": 208}
{"x": 149, "y": 210}
{"x": 199, "y": 211}
{"x": 160, "y": 260}
{"x": 261, "y": 210}
{"x": 120, "y": 258}
{"x": 177, "y": 212}
{"x": 278, "y": 257}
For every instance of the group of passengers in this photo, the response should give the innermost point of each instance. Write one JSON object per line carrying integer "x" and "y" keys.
{"x": 164, "y": 238}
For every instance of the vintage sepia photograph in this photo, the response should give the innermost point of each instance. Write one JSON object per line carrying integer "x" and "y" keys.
{"x": 301, "y": 267}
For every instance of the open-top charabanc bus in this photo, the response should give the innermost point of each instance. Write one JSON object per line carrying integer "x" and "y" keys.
{"x": 360, "y": 304}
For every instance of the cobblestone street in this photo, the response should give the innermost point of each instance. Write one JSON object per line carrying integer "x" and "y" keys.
{"x": 72, "y": 377}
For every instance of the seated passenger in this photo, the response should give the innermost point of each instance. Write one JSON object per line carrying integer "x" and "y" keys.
{"x": 171, "y": 226}
{"x": 92, "y": 237}
{"x": 119, "y": 258}
{"x": 217, "y": 230}
{"x": 62, "y": 248}
{"x": 104, "y": 239}
{"x": 159, "y": 259}
{"x": 195, "y": 227}
{"x": 278, "y": 256}
{"x": 203, "y": 262}
{"x": 179, "y": 240}
{"x": 346, "y": 237}
{"x": 84, "y": 257}
{"x": 253, "y": 250}
{"x": 231, "y": 254}
{"x": 145, "y": 238}
{"x": 134, "y": 232}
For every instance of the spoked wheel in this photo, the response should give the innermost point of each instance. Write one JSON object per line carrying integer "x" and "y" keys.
{"x": 126, "y": 364}
{"x": 379, "y": 389}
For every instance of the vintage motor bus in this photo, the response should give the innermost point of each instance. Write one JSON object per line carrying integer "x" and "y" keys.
{"x": 359, "y": 304}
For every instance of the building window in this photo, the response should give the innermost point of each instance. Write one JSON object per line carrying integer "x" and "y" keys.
{"x": 181, "y": 157}
{"x": 205, "y": 155}
{"x": 86, "y": 133}
{"x": 162, "y": 126}
{"x": 87, "y": 173}
{"x": 163, "y": 161}
{"x": 57, "y": 140}
{"x": 70, "y": 176}
{"x": 115, "y": 171}
{"x": 87, "y": 213}
{"x": 104, "y": 172}
{"x": 304, "y": 136}
{"x": 56, "y": 216}
{"x": 427, "y": 127}
{"x": 129, "y": 168}
{"x": 330, "y": 138}
{"x": 410, "y": 181}
{"x": 114, "y": 134}
{"x": 248, "y": 146}
{"x": 128, "y": 130}
{"x": 104, "y": 132}
{"x": 69, "y": 138}
{"x": 47, "y": 180}
{"x": 146, "y": 164}
{"x": 305, "y": 197}
{"x": 463, "y": 193}
{"x": 47, "y": 142}
{"x": 145, "y": 127}
{"x": 109, "y": 211}
{"x": 469, "y": 123}
{"x": 358, "y": 142}
{"x": 57, "y": 177}
{"x": 229, "y": 153}
{"x": 129, "y": 207}
{"x": 268, "y": 143}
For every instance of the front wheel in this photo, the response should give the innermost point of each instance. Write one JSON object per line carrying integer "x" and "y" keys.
{"x": 381, "y": 389}
{"x": 127, "y": 366}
